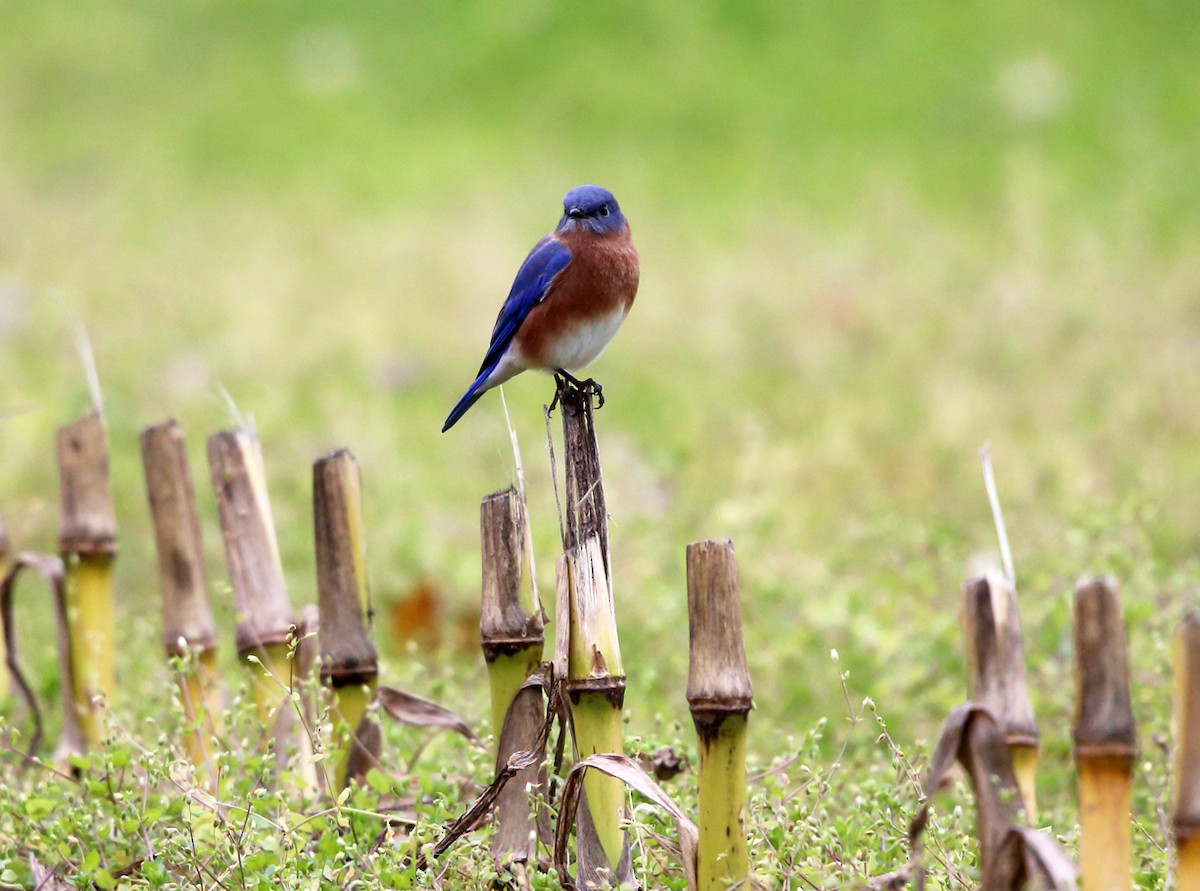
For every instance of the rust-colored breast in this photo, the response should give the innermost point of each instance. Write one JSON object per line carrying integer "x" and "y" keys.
{"x": 600, "y": 280}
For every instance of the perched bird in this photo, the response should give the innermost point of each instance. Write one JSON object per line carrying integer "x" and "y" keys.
{"x": 568, "y": 299}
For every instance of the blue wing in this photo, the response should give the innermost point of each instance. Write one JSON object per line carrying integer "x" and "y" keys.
{"x": 545, "y": 261}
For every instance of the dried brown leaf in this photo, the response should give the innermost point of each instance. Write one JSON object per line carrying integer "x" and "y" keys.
{"x": 629, "y": 773}
{"x": 51, "y": 569}
{"x": 417, "y": 712}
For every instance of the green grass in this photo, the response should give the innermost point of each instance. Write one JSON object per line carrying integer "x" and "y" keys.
{"x": 873, "y": 236}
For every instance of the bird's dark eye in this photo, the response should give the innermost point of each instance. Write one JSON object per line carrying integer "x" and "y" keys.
{"x": 603, "y": 210}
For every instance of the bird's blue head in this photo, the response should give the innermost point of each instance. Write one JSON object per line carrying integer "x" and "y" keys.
{"x": 593, "y": 209}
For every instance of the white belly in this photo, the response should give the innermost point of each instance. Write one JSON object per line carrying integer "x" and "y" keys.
{"x": 583, "y": 345}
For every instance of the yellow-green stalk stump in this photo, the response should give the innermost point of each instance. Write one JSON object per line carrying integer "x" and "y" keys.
{"x": 587, "y": 652}
{"x": 189, "y": 631}
{"x": 1185, "y": 802}
{"x": 349, "y": 664}
{"x": 87, "y": 540}
{"x": 512, "y": 637}
{"x": 595, "y": 689}
{"x": 1105, "y": 738}
{"x": 5, "y": 550}
{"x": 996, "y": 673}
{"x": 720, "y": 698}
{"x": 260, "y": 593}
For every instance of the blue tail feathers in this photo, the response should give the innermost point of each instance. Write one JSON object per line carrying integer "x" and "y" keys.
{"x": 469, "y": 398}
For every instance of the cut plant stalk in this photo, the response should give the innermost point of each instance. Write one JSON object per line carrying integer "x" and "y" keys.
{"x": 189, "y": 631}
{"x": 512, "y": 638}
{"x": 1105, "y": 737}
{"x": 720, "y": 698}
{"x": 87, "y": 540}
{"x": 594, "y": 683}
{"x": 349, "y": 664}
{"x": 256, "y": 576}
{"x": 1185, "y": 804}
{"x": 996, "y": 673}
{"x": 5, "y": 682}
{"x": 595, "y": 689}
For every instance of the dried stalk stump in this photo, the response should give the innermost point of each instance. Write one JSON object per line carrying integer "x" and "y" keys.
{"x": 252, "y": 555}
{"x": 586, "y": 641}
{"x": 87, "y": 539}
{"x": 349, "y": 663}
{"x": 996, "y": 673}
{"x": 512, "y": 637}
{"x": 5, "y": 550}
{"x": 189, "y": 631}
{"x": 1185, "y": 805}
{"x": 1105, "y": 737}
{"x": 720, "y": 698}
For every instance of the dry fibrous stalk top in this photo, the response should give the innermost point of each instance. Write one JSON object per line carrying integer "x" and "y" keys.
{"x": 88, "y": 523}
{"x": 996, "y": 656}
{"x": 718, "y": 679}
{"x": 251, "y": 548}
{"x": 586, "y": 512}
{"x": 504, "y": 622}
{"x": 5, "y": 548}
{"x": 1104, "y": 726}
{"x": 347, "y": 652}
{"x": 187, "y": 615}
{"x": 594, "y": 651}
{"x": 1185, "y": 807}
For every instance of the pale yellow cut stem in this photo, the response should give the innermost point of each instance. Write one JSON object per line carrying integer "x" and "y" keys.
{"x": 90, "y": 620}
{"x": 724, "y": 856}
{"x": 1025, "y": 760}
{"x": 598, "y": 731}
{"x": 269, "y": 681}
{"x": 1187, "y": 856}
{"x": 4, "y": 679}
{"x": 1105, "y": 857}
{"x": 506, "y": 673}
{"x": 349, "y": 705}
{"x": 198, "y": 686}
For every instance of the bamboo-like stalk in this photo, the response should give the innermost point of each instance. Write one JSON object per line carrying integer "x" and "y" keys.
{"x": 996, "y": 673}
{"x": 188, "y": 627}
{"x": 720, "y": 698}
{"x": 349, "y": 664}
{"x": 595, "y": 688}
{"x": 256, "y": 576}
{"x": 1105, "y": 737}
{"x": 5, "y": 678}
{"x": 511, "y": 636}
{"x": 1185, "y": 803}
{"x": 594, "y": 682}
{"x": 87, "y": 540}
{"x": 512, "y": 639}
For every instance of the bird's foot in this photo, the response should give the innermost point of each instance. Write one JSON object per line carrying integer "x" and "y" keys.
{"x": 565, "y": 382}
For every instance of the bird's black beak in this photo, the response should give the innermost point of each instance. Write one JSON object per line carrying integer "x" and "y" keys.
{"x": 576, "y": 213}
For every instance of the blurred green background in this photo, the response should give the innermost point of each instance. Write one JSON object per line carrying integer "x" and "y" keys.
{"x": 873, "y": 236}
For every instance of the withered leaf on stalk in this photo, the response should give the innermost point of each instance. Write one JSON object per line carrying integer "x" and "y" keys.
{"x": 1010, "y": 855}
{"x": 417, "y": 712}
{"x": 477, "y": 813}
{"x": 50, "y": 568}
{"x": 628, "y": 772}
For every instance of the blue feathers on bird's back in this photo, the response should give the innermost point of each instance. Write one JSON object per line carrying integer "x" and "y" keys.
{"x": 548, "y": 258}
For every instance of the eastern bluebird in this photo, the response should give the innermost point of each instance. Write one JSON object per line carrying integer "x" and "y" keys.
{"x": 568, "y": 299}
